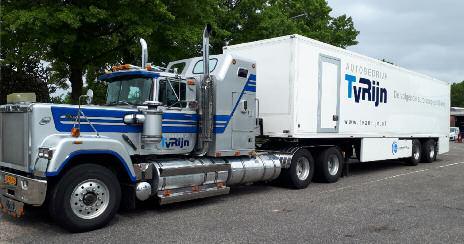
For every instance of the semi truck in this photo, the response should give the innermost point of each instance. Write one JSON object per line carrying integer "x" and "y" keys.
{"x": 289, "y": 108}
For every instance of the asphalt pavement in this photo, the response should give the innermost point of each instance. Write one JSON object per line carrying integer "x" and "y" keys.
{"x": 382, "y": 202}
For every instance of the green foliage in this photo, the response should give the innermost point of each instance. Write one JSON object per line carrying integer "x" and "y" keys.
{"x": 251, "y": 20}
{"x": 457, "y": 94}
{"x": 85, "y": 37}
{"x": 30, "y": 76}
{"x": 72, "y": 35}
{"x": 98, "y": 87}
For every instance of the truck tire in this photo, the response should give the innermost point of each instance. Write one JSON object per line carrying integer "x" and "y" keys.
{"x": 429, "y": 151}
{"x": 416, "y": 153}
{"x": 85, "y": 198}
{"x": 301, "y": 170}
{"x": 329, "y": 165}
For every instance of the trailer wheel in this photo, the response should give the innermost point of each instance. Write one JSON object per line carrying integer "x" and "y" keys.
{"x": 85, "y": 198}
{"x": 416, "y": 153}
{"x": 429, "y": 151}
{"x": 329, "y": 165}
{"x": 301, "y": 170}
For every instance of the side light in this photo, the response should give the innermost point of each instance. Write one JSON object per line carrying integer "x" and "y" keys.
{"x": 75, "y": 132}
{"x": 190, "y": 82}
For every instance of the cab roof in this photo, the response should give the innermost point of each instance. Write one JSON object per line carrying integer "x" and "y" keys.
{"x": 139, "y": 73}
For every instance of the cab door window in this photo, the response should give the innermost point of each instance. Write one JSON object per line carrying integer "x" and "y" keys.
{"x": 172, "y": 92}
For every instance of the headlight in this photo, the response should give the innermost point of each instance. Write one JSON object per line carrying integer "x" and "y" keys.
{"x": 45, "y": 153}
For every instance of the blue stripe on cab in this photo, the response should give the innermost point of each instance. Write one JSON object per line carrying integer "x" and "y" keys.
{"x": 119, "y": 120}
{"x": 250, "y": 88}
{"x": 180, "y": 116}
{"x": 70, "y": 113}
{"x": 222, "y": 117}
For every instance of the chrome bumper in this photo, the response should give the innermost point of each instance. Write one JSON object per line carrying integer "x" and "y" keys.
{"x": 27, "y": 190}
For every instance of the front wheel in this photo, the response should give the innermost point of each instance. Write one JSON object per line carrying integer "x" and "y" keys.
{"x": 85, "y": 198}
{"x": 301, "y": 170}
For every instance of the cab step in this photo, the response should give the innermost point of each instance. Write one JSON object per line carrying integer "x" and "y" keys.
{"x": 196, "y": 192}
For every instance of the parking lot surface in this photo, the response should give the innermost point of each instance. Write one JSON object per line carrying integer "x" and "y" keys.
{"x": 382, "y": 202}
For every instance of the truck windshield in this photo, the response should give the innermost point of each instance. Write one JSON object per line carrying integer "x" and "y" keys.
{"x": 129, "y": 91}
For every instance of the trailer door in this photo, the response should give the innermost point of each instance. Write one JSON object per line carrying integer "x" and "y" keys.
{"x": 329, "y": 90}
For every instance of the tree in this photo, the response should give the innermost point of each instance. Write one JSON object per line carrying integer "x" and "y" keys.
{"x": 251, "y": 20}
{"x": 457, "y": 94}
{"x": 82, "y": 37}
{"x": 73, "y": 34}
{"x": 29, "y": 77}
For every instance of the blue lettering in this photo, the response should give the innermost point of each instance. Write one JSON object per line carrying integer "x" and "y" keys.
{"x": 372, "y": 93}
{"x": 174, "y": 142}
{"x": 351, "y": 79}
{"x": 366, "y": 90}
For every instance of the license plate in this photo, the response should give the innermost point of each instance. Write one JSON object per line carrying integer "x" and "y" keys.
{"x": 10, "y": 206}
{"x": 10, "y": 180}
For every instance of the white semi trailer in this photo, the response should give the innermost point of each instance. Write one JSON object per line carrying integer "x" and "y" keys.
{"x": 288, "y": 108}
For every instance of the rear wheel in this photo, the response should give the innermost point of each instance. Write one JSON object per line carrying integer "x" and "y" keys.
{"x": 429, "y": 151}
{"x": 301, "y": 170}
{"x": 416, "y": 153}
{"x": 329, "y": 165}
{"x": 85, "y": 198}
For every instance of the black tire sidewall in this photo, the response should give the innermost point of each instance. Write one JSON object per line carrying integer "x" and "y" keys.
{"x": 292, "y": 174}
{"x": 323, "y": 164}
{"x": 63, "y": 189}
{"x": 429, "y": 144}
{"x": 416, "y": 145}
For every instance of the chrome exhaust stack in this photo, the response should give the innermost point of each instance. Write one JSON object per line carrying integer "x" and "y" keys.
{"x": 206, "y": 96}
{"x": 206, "y": 34}
{"x": 143, "y": 43}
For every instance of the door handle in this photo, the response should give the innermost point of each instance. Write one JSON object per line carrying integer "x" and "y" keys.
{"x": 335, "y": 118}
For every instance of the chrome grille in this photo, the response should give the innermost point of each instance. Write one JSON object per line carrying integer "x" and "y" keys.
{"x": 14, "y": 134}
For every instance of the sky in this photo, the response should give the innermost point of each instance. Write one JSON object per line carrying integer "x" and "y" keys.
{"x": 426, "y": 36}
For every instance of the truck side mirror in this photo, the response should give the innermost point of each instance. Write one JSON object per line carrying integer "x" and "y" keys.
{"x": 89, "y": 96}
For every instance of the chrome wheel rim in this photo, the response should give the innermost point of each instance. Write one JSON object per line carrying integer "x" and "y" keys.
{"x": 90, "y": 199}
{"x": 302, "y": 168}
{"x": 416, "y": 153}
{"x": 432, "y": 152}
{"x": 333, "y": 164}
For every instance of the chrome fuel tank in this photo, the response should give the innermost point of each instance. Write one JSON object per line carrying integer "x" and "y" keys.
{"x": 178, "y": 173}
{"x": 264, "y": 167}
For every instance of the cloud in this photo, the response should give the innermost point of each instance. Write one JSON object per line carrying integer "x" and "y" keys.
{"x": 423, "y": 36}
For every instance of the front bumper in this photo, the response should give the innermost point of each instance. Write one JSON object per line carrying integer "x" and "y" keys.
{"x": 27, "y": 190}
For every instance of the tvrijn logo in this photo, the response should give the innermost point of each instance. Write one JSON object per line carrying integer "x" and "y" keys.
{"x": 368, "y": 91}
{"x": 394, "y": 148}
{"x": 174, "y": 142}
